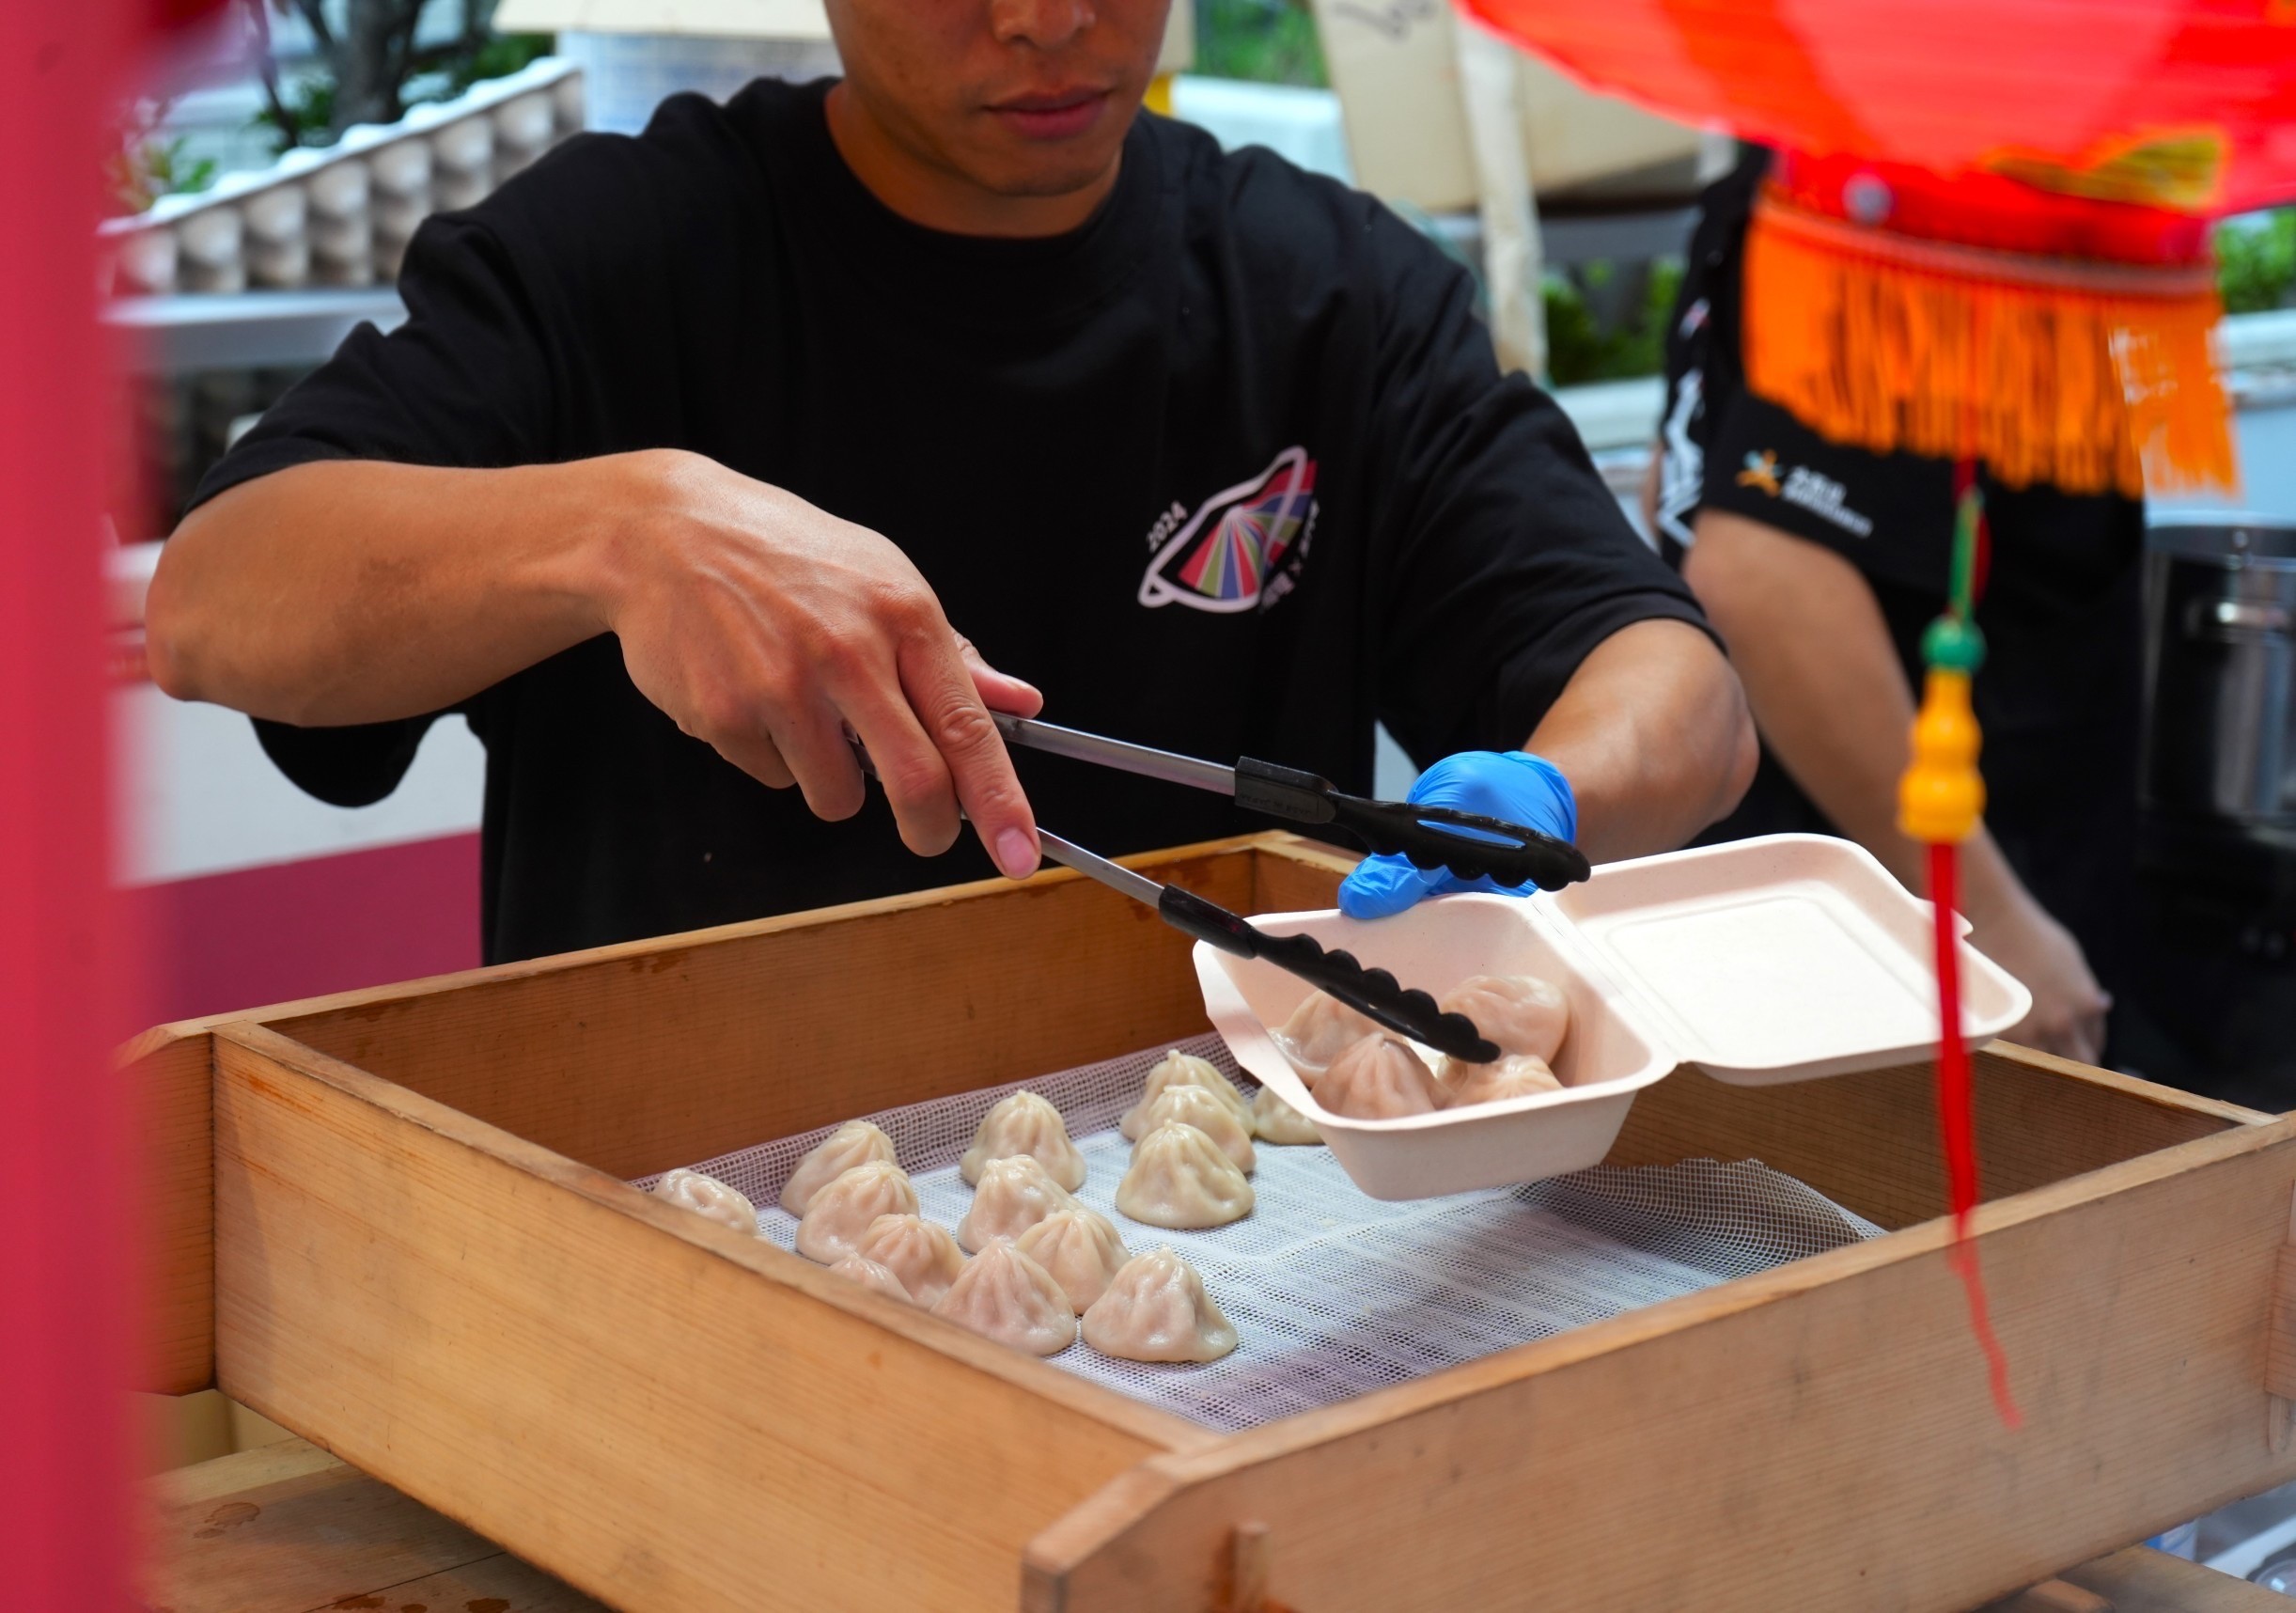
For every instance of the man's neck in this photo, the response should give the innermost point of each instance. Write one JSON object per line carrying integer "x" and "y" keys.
{"x": 937, "y": 198}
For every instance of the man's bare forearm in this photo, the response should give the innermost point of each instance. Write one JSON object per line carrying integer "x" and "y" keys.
{"x": 1653, "y": 734}
{"x": 352, "y": 591}
{"x": 762, "y": 625}
{"x": 1835, "y": 708}
{"x": 1833, "y": 703}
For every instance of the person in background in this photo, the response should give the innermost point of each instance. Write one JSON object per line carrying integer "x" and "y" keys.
{"x": 1822, "y": 564}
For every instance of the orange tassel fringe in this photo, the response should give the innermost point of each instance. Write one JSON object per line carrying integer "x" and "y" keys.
{"x": 2090, "y": 377}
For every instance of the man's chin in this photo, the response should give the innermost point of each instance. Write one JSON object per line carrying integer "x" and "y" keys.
{"x": 1039, "y": 185}
{"x": 1043, "y": 172}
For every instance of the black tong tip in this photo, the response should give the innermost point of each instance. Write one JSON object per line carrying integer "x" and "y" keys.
{"x": 1373, "y": 993}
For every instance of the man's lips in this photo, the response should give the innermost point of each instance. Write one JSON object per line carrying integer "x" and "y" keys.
{"x": 1053, "y": 114}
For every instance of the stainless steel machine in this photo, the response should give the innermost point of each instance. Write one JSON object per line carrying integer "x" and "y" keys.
{"x": 2218, "y": 848}
{"x": 2220, "y": 656}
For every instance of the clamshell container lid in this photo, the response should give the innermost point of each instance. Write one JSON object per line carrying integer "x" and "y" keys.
{"x": 1786, "y": 958}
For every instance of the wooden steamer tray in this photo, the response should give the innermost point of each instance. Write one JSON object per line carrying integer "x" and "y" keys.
{"x": 396, "y": 1221}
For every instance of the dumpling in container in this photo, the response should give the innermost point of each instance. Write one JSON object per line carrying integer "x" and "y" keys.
{"x": 1157, "y": 1311}
{"x": 1080, "y": 1247}
{"x": 919, "y": 1252}
{"x": 841, "y": 1211}
{"x": 1025, "y": 1123}
{"x": 1517, "y": 1075}
{"x": 1379, "y": 1079}
{"x": 1278, "y": 1123}
{"x": 1184, "y": 1067}
{"x": 870, "y": 1275}
{"x": 1192, "y": 1106}
{"x": 1319, "y": 1030}
{"x": 856, "y": 1142}
{"x": 708, "y": 1196}
{"x": 1180, "y": 1178}
{"x": 1004, "y": 1296}
{"x": 1014, "y": 1195}
{"x": 1523, "y": 1013}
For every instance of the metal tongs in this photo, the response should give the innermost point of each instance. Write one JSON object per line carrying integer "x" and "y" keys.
{"x": 1429, "y": 836}
{"x": 1509, "y": 852}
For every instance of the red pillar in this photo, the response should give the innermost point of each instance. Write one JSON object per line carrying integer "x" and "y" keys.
{"x": 64, "y": 1289}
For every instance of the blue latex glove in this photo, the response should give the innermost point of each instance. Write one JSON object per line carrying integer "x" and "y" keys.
{"x": 1510, "y": 784}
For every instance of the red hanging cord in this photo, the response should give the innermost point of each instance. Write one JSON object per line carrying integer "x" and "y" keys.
{"x": 1957, "y": 1116}
{"x": 1941, "y": 804}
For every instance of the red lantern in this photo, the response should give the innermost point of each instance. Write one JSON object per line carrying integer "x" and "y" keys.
{"x": 1988, "y": 237}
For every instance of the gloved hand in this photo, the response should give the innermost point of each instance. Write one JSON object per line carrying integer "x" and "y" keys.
{"x": 1510, "y": 784}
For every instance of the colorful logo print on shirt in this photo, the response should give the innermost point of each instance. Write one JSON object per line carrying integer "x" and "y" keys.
{"x": 1230, "y": 555}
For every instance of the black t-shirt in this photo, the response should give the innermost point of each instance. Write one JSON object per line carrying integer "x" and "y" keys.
{"x": 2059, "y": 694}
{"x": 1229, "y": 470}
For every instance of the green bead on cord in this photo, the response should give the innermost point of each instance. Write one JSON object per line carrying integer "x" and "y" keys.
{"x": 1953, "y": 642}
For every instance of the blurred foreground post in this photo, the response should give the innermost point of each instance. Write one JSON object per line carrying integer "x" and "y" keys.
{"x": 65, "y": 1305}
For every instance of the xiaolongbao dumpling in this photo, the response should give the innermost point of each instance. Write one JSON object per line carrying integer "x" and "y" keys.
{"x": 1003, "y": 1294}
{"x": 708, "y": 1196}
{"x": 1378, "y": 1079}
{"x": 1278, "y": 1123}
{"x": 1517, "y": 1075}
{"x": 1025, "y": 1123}
{"x": 1192, "y": 1106}
{"x": 1080, "y": 1247}
{"x": 1157, "y": 1311}
{"x": 1014, "y": 1195}
{"x": 841, "y": 1211}
{"x": 869, "y": 1274}
{"x": 1180, "y": 1178}
{"x": 1523, "y": 1013}
{"x": 1176, "y": 1066}
{"x": 919, "y": 1252}
{"x": 856, "y": 1142}
{"x": 1319, "y": 1030}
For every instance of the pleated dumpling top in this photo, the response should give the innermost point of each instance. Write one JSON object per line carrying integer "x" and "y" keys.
{"x": 1192, "y": 1106}
{"x": 1176, "y": 1067}
{"x": 1080, "y": 1247}
{"x": 1523, "y": 1013}
{"x": 841, "y": 1212}
{"x": 1517, "y": 1075}
{"x": 856, "y": 1142}
{"x": 1180, "y": 1178}
{"x": 919, "y": 1252}
{"x": 1023, "y": 1123}
{"x": 1157, "y": 1309}
{"x": 1014, "y": 1195}
{"x": 871, "y": 1276}
{"x": 707, "y": 1197}
{"x": 1380, "y": 1078}
{"x": 1319, "y": 1030}
{"x": 1003, "y": 1294}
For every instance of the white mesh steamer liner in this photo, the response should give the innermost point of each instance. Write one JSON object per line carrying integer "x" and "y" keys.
{"x": 1784, "y": 958}
{"x": 1333, "y": 1293}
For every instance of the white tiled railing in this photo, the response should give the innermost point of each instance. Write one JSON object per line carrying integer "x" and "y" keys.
{"x": 342, "y": 215}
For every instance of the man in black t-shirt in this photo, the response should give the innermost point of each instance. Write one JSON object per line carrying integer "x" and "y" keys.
{"x": 697, "y": 449}
{"x": 1822, "y": 564}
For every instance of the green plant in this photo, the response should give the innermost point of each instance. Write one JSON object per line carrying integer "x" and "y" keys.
{"x": 498, "y": 56}
{"x": 2255, "y": 260}
{"x": 372, "y": 67}
{"x": 1272, "y": 42}
{"x": 145, "y": 167}
{"x": 301, "y": 113}
{"x": 1582, "y": 347}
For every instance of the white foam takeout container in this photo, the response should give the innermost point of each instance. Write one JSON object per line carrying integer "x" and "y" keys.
{"x": 1786, "y": 958}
